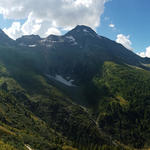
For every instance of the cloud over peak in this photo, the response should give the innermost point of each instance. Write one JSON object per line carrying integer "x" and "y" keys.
{"x": 51, "y": 15}
{"x": 124, "y": 40}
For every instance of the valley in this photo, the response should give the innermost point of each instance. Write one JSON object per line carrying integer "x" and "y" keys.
{"x": 78, "y": 91}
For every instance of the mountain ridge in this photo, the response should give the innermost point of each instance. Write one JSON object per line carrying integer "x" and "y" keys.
{"x": 79, "y": 90}
{"x": 33, "y": 39}
{"x": 5, "y": 39}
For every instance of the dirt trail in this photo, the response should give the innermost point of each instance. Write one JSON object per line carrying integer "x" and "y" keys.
{"x": 28, "y": 147}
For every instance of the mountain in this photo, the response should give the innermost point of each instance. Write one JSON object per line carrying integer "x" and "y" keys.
{"x": 28, "y": 40}
{"x": 81, "y": 54}
{"x": 75, "y": 91}
{"x": 79, "y": 51}
{"x": 5, "y": 40}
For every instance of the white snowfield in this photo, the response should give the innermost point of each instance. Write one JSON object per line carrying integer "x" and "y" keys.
{"x": 62, "y": 80}
{"x": 72, "y": 39}
{"x": 32, "y": 45}
{"x": 85, "y": 30}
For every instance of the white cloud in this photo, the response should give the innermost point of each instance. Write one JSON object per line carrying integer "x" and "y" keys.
{"x": 53, "y": 31}
{"x": 86, "y": 3}
{"x": 14, "y": 31}
{"x": 31, "y": 26}
{"x": 46, "y": 14}
{"x": 111, "y": 25}
{"x": 124, "y": 40}
{"x": 142, "y": 54}
{"x": 146, "y": 53}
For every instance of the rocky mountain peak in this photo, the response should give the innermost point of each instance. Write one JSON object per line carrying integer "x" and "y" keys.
{"x": 82, "y": 30}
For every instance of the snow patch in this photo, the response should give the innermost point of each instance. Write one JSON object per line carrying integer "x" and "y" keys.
{"x": 62, "y": 80}
{"x": 32, "y": 45}
{"x": 72, "y": 39}
{"x": 85, "y": 30}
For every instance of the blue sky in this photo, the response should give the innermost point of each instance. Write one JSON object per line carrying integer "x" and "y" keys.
{"x": 6, "y": 23}
{"x": 129, "y": 19}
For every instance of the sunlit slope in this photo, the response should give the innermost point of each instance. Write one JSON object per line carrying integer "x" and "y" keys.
{"x": 123, "y": 95}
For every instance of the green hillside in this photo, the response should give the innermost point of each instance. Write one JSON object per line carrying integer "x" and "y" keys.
{"x": 87, "y": 94}
{"x": 35, "y": 113}
{"x": 123, "y": 109}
